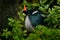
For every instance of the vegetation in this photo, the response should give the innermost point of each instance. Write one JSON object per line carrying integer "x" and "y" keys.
{"x": 41, "y": 32}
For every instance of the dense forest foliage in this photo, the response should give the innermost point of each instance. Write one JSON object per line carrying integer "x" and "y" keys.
{"x": 12, "y": 20}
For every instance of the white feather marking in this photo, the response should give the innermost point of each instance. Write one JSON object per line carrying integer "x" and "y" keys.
{"x": 28, "y": 24}
{"x": 34, "y": 12}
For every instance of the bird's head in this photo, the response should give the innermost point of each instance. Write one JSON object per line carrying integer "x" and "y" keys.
{"x": 25, "y": 11}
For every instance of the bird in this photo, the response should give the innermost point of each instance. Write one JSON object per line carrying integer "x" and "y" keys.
{"x": 33, "y": 18}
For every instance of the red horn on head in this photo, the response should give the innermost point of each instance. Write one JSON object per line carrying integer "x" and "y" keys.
{"x": 25, "y": 8}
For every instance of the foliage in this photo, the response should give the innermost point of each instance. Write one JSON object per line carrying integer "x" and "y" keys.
{"x": 44, "y": 5}
{"x": 41, "y": 32}
{"x": 53, "y": 18}
{"x": 58, "y": 2}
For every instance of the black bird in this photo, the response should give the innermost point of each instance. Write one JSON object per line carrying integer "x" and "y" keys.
{"x": 33, "y": 18}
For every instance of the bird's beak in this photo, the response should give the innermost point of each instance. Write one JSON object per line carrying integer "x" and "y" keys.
{"x": 25, "y": 8}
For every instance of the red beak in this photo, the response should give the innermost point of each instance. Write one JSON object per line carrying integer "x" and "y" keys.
{"x": 25, "y": 8}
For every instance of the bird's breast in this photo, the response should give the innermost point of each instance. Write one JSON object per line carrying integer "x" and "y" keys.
{"x": 28, "y": 24}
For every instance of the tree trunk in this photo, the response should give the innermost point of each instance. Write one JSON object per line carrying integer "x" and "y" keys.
{"x": 8, "y": 8}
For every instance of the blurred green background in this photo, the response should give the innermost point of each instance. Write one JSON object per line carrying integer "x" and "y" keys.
{"x": 12, "y": 20}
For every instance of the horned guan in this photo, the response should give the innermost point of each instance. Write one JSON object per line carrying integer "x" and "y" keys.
{"x": 33, "y": 18}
